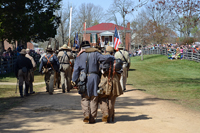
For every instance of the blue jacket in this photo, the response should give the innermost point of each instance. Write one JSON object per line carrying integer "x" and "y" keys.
{"x": 55, "y": 63}
{"x": 93, "y": 78}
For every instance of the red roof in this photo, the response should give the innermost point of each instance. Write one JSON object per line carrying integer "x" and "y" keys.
{"x": 105, "y": 26}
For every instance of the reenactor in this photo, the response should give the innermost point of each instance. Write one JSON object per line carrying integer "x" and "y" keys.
{"x": 124, "y": 56}
{"x": 64, "y": 57}
{"x": 22, "y": 67}
{"x": 49, "y": 64}
{"x": 31, "y": 72}
{"x": 86, "y": 77}
{"x": 110, "y": 87}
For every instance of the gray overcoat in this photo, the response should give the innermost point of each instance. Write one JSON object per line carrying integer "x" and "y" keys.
{"x": 93, "y": 77}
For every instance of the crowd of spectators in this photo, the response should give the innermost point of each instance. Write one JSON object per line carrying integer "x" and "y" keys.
{"x": 10, "y": 55}
{"x": 170, "y": 47}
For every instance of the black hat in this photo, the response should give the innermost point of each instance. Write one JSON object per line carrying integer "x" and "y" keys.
{"x": 85, "y": 44}
{"x": 49, "y": 49}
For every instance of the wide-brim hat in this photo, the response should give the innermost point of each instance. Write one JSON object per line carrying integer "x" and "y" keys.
{"x": 120, "y": 46}
{"x": 23, "y": 51}
{"x": 65, "y": 47}
{"x": 85, "y": 44}
{"x": 109, "y": 49}
{"x": 49, "y": 48}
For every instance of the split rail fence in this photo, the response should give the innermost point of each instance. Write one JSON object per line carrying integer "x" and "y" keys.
{"x": 187, "y": 53}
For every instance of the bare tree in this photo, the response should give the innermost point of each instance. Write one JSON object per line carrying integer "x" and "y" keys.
{"x": 90, "y": 13}
{"x": 123, "y": 7}
{"x": 63, "y": 29}
{"x": 185, "y": 14}
{"x": 159, "y": 13}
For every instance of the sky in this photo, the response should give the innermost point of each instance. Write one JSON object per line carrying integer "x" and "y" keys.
{"x": 105, "y": 4}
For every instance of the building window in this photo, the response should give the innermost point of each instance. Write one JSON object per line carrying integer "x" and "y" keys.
{"x": 93, "y": 38}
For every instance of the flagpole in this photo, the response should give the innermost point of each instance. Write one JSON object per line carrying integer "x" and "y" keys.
{"x": 85, "y": 30}
{"x": 70, "y": 25}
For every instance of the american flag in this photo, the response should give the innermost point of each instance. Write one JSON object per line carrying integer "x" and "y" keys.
{"x": 116, "y": 39}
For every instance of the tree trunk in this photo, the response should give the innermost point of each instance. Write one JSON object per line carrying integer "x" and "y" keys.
{"x": 142, "y": 52}
{"x": 1, "y": 46}
{"x": 124, "y": 35}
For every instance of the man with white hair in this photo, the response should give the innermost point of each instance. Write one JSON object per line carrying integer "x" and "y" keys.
{"x": 31, "y": 72}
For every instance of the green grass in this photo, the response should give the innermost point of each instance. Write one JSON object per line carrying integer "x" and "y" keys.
{"x": 11, "y": 77}
{"x": 168, "y": 79}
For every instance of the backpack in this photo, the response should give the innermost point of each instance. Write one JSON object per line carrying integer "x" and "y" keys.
{"x": 115, "y": 66}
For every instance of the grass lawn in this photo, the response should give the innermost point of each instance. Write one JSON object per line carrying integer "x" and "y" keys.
{"x": 178, "y": 80}
{"x": 11, "y": 77}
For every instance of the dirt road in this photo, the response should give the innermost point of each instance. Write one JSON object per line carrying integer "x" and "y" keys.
{"x": 135, "y": 112}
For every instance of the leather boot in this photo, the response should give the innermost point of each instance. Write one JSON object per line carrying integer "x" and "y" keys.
{"x": 113, "y": 117}
{"x": 92, "y": 120}
{"x": 105, "y": 118}
{"x": 26, "y": 90}
{"x": 86, "y": 119}
{"x": 21, "y": 91}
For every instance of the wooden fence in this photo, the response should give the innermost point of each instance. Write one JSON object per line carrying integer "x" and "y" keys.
{"x": 187, "y": 54}
{"x": 7, "y": 65}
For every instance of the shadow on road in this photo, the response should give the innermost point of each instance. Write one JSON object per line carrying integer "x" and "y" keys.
{"x": 63, "y": 109}
{"x": 128, "y": 118}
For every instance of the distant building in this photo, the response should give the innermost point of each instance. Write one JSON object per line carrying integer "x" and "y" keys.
{"x": 104, "y": 34}
{"x": 30, "y": 45}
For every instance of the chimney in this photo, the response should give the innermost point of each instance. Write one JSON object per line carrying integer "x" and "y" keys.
{"x": 128, "y": 26}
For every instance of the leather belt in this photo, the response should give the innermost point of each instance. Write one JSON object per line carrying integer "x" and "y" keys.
{"x": 93, "y": 73}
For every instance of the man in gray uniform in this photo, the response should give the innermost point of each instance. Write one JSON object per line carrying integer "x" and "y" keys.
{"x": 49, "y": 64}
{"x": 64, "y": 57}
{"x": 88, "y": 63}
{"x": 124, "y": 56}
{"x": 22, "y": 67}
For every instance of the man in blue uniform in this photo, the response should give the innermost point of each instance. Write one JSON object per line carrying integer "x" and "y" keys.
{"x": 89, "y": 63}
{"x": 49, "y": 64}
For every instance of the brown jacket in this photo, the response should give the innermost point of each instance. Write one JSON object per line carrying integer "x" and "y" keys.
{"x": 111, "y": 83}
{"x": 111, "y": 86}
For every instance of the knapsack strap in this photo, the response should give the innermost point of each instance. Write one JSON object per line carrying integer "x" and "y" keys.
{"x": 113, "y": 69}
{"x": 48, "y": 62}
{"x": 123, "y": 56}
{"x": 68, "y": 58}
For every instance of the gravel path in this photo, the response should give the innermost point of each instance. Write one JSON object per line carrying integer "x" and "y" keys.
{"x": 135, "y": 112}
{"x": 9, "y": 83}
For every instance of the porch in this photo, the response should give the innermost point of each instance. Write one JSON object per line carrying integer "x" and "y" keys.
{"x": 107, "y": 39}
